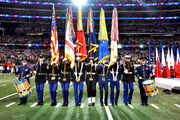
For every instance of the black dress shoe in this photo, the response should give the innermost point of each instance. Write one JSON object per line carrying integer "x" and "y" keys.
{"x": 129, "y": 102}
{"x": 64, "y": 104}
{"x": 93, "y": 104}
{"x": 52, "y": 104}
{"x": 20, "y": 104}
{"x": 89, "y": 104}
{"x": 79, "y": 104}
{"x": 116, "y": 103}
{"x": 38, "y": 104}
{"x": 142, "y": 104}
{"x": 126, "y": 104}
{"x": 112, "y": 104}
{"x": 55, "y": 103}
{"x": 146, "y": 104}
{"x": 106, "y": 104}
{"x": 41, "y": 104}
{"x": 102, "y": 104}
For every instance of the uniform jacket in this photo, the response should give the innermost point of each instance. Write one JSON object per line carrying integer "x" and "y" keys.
{"x": 128, "y": 76}
{"x": 52, "y": 78}
{"x": 113, "y": 70}
{"x": 103, "y": 68}
{"x": 41, "y": 73}
{"x": 65, "y": 73}
{"x": 143, "y": 71}
{"x": 94, "y": 72}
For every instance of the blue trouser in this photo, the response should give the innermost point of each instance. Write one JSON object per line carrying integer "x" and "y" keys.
{"x": 65, "y": 91}
{"x": 104, "y": 85}
{"x": 144, "y": 98}
{"x": 40, "y": 90}
{"x": 52, "y": 89}
{"x": 112, "y": 85}
{"x": 131, "y": 87}
{"x": 78, "y": 98}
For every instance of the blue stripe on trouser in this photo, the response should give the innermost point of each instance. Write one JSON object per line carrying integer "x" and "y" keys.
{"x": 52, "y": 89}
{"x": 40, "y": 90}
{"x": 78, "y": 99}
{"x": 126, "y": 96}
{"x": 65, "y": 91}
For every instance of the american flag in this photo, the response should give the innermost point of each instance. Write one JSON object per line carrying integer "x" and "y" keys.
{"x": 54, "y": 41}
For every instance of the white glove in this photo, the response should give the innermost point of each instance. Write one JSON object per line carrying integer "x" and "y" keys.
{"x": 126, "y": 71}
{"x": 34, "y": 72}
{"x": 140, "y": 77}
{"x": 78, "y": 58}
{"x": 64, "y": 59}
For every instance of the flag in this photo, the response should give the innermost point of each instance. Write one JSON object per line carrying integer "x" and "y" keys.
{"x": 172, "y": 58}
{"x": 160, "y": 51}
{"x": 154, "y": 53}
{"x": 168, "y": 58}
{"x": 69, "y": 37}
{"x": 114, "y": 37}
{"x": 149, "y": 52}
{"x": 103, "y": 38}
{"x": 54, "y": 46}
{"x": 92, "y": 38}
{"x": 167, "y": 70}
{"x": 158, "y": 65}
{"x": 178, "y": 59}
{"x": 163, "y": 62}
{"x": 80, "y": 39}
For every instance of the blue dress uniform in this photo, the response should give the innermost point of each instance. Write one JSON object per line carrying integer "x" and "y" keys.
{"x": 143, "y": 73}
{"x": 78, "y": 77}
{"x": 91, "y": 80}
{"x": 40, "y": 79}
{"x": 53, "y": 76}
{"x": 21, "y": 73}
{"x": 65, "y": 77}
{"x": 128, "y": 81}
{"x": 115, "y": 77}
{"x": 103, "y": 82}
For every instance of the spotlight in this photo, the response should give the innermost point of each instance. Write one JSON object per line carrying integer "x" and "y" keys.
{"x": 29, "y": 45}
{"x": 127, "y": 46}
{"x": 37, "y": 45}
{"x": 119, "y": 46}
{"x": 79, "y": 3}
{"x": 60, "y": 45}
{"x": 45, "y": 45}
{"x": 134, "y": 46}
{"x": 141, "y": 46}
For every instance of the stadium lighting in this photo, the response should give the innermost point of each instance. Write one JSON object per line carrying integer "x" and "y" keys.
{"x": 127, "y": 46}
{"x": 45, "y": 45}
{"x": 29, "y": 45}
{"x": 119, "y": 46}
{"x": 60, "y": 45}
{"x": 37, "y": 45}
{"x": 141, "y": 46}
{"x": 134, "y": 46}
{"x": 79, "y": 3}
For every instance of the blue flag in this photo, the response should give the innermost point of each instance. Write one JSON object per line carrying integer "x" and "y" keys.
{"x": 92, "y": 53}
{"x": 149, "y": 60}
{"x": 154, "y": 53}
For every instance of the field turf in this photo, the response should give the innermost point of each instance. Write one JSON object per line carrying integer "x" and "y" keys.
{"x": 167, "y": 104}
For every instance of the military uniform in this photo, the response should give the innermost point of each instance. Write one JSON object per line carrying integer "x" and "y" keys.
{"x": 52, "y": 77}
{"x": 128, "y": 81}
{"x": 103, "y": 82}
{"x": 115, "y": 77}
{"x": 21, "y": 73}
{"x": 40, "y": 79}
{"x": 91, "y": 80}
{"x": 65, "y": 77}
{"x": 78, "y": 78}
{"x": 143, "y": 72}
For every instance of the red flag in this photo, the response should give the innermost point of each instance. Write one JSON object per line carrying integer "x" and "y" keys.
{"x": 168, "y": 71}
{"x": 80, "y": 40}
{"x": 176, "y": 70}
{"x": 159, "y": 73}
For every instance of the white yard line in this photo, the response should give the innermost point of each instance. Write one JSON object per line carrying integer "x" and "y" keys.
{"x": 131, "y": 106}
{"x": 108, "y": 113}
{"x": 33, "y": 105}
{"x": 57, "y": 105}
{"x": 12, "y": 95}
{"x": 177, "y": 105}
{"x": 82, "y": 105}
{"x": 155, "y": 106}
{"x": 10, "y": 104}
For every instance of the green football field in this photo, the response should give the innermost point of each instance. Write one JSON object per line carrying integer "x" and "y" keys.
{"x": 162, "y": 107}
